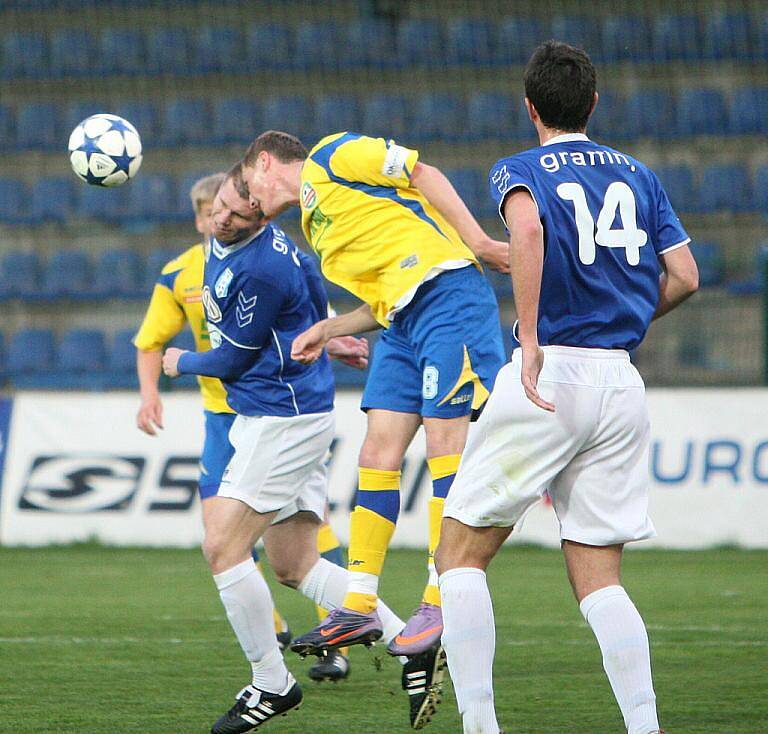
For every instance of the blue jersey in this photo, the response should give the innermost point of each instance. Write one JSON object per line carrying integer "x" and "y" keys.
{"x": 258, "y": 296}
{"x": 606, "y": 220}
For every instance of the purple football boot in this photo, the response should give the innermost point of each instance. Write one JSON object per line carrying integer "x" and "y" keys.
{"x": 341, "y": 628}
{"x": 421, "y": 632}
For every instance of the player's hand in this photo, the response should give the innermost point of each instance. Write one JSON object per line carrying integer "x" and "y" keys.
{"x": 150, "y": 415}
{"x": 171, "y": 361}
{"x": 349, "y": 350}
{"x": 533, "y": 361}
{"x": 495, "y": 254}
{"x": 308, "y": 346}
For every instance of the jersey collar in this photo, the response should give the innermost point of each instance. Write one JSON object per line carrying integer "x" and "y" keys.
{"x": 568, "y": 138}
{"x": 221, "y": 251}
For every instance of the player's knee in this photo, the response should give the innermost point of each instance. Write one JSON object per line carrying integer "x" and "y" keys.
{"x": 379, "y": 454}
{"x": 218, "y": 552}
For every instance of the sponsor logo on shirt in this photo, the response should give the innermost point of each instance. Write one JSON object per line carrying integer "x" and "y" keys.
{"x": 222, "y": 284}
{"x": 308, "y": 196}
{"x": 212, "y": 310}
{"x": 394, "y": 161}
{"x": 410, "y": 262}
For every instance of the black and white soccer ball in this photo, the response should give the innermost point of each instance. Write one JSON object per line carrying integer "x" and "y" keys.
{"x": 105, "y": 150}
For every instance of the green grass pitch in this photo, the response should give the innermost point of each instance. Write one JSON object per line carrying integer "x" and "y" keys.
{"x": 103, "y": 640}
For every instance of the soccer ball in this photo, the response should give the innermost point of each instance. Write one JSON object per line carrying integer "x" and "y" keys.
{"x": 105, "y": 150}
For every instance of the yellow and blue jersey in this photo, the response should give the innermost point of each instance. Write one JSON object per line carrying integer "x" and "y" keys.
{"x": 177, "y": 300}
{"x": 376, "y": 234}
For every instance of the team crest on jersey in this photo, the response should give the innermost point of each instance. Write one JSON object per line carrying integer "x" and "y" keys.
{"x": 308, "y": 196}
{"x": 212, "y": 310}
{"x": 222, "y": 284}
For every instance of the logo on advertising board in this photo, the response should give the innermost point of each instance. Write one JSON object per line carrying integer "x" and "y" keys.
{"x": 81, "y": 483}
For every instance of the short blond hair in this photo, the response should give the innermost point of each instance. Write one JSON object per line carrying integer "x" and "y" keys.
{"x": 205, "y": 190}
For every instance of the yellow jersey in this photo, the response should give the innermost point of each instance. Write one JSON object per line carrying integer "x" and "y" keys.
{"x": 376, "y": 235}
{"x": 176, "y": 300}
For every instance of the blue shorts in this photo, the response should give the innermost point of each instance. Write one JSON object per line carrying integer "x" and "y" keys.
{"x": 217, "y": 451}
{"x": 441, "y": 353}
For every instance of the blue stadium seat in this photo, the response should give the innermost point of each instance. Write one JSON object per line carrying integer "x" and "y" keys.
{"x": 104, "y": 204}
{"x": 7, "y": 128}
{"x": 439, "y": 116}
{"x": 73, "y": 52}
{"x": 494, "y": 115}
{"x": 81, "y": 351}
{"x": 19, "y": 275}
{"x": 143, "y": 116}
{"x": 578, "y": 30}
{"x": 269, "y": 46}
{"x": 755, "y": 281}
{"x": 121, "y": 51}
{"x": 761, "y": 36}
{"x": 386, "y": 114}
{"x": 725, "y": 187}
{"x": 184, "y": 209}
{"x": 650, "y": 114}
{"x": 676, "y": 37}
{"x": 317, "y": 45}
{"x": 678, "y": 183}
{"x": 516, "y": 37}
{"x": 728, "y": 36}
{"x": 117, "y": 274}
{"x": 289, "y": 112}
{"x": 625, "y": 38}
{"x": 24, "y": 55}
{"x": 156, "y": 261}
{"x": 609, "y": 117}
{"x": 501, "y": 284}
{"x": 702, "y": 112}
{"x": 168, "y": 51}
{"x": 185, "y": 121}
{"x": 709, "y": 258}
{"x": 470, "y": 184}
{"x": 184, "y": 340}
{"x": 30, "y": 353}
{"x": 346, "y": 376}
{"x": 121, "y": 362}
{"x": 336, "y": 112}
{"x": 37, "y": 126}
{"x": 52, "y": 199}
{"x": 13, "y": 200}
{"x": 469, "y": 41}
{"x": 3, "y": 359}
{"x": 218, "y": 49}
{"x": 419, "y": 43}
{"x": 67, "y": 275}
{"x": 748, "y": 111}
{"x": 235, "y": 120}
{"x": 367, "y": 42}
{"x": 151, "y": 198}
{"x": 761, "y": 189}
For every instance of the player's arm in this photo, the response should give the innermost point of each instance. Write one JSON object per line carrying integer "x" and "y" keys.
{"x": 308, "y": 346}
{"x": 243, "y": 334}
{"x": 163, "y": 320}
{"x": 526, "y": 261}
{"x": 439, "y": 192}
{"x": 678, "y": 281}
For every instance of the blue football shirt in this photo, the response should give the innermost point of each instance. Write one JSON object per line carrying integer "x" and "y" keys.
{"x": 606, "y": 220}
{"x": 259, "y": 295}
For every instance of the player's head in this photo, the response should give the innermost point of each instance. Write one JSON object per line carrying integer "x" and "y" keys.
{"x": 234, "y": 216}
{"x": 272, "y": 170}
{"x": 560, "y": 87}
{"x": 202, "y": 194}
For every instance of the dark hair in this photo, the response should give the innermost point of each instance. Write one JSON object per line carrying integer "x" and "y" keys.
{"x": 235, "y": 175}
{"x": 560, "y": 82}
{"x": 285, "y": 147}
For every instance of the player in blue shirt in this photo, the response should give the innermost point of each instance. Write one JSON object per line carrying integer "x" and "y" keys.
{"x": 596, "y": 253}
{"x": 259, "y": 293}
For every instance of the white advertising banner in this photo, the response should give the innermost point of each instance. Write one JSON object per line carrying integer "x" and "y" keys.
{"x": 77, "y": 468}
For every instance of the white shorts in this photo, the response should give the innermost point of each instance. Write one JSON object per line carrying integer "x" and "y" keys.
{"x": 591, "y": 454}
{"x": 279, "y": 463}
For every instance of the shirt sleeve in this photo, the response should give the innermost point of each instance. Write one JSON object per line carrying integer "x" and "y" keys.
{"x": 375, "y": 161}
{"x": 506, "y": 176}
{"x": 226, "y": 362}
{"x": 163, "y": 320}
{"x": 670, "y": 233}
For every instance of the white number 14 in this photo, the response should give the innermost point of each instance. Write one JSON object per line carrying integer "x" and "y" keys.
{"x": 619, "y": 197}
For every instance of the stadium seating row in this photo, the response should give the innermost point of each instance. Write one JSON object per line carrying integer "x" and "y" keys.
{"x": 483, "y": 115}
{"x": 158, "y": 198}
{"x": 423, "y": 42}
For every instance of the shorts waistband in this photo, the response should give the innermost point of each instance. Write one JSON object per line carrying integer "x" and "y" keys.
{"x": 580, "y": 353}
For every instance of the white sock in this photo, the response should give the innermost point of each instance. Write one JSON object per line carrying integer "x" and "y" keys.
{"x": 363, "y": 583}
{"x": 326, "y": 584}
{"x": 469, "y": 639}
{"x": 432, "y": 580}
{"x": 623, "y": 640}
{"x": 246, "y": 598}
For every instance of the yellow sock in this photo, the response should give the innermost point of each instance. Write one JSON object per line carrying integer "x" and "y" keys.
{"x": 443, "y": 469}
{"x": 370, "y": 529}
